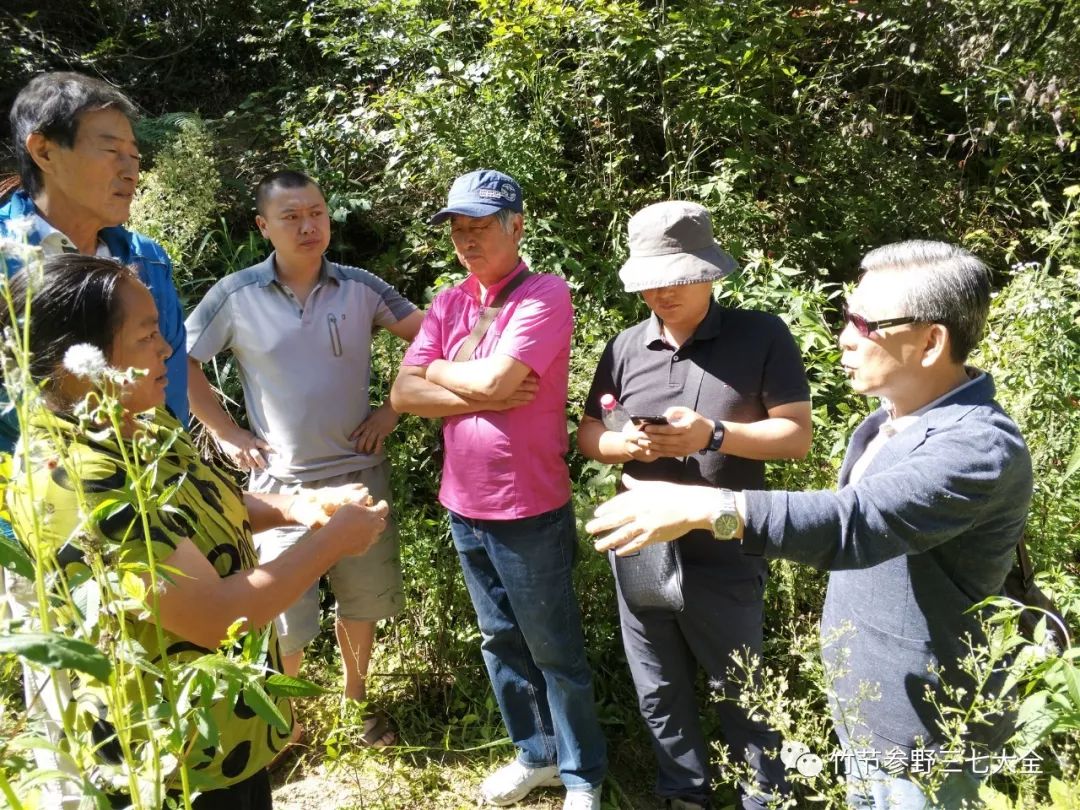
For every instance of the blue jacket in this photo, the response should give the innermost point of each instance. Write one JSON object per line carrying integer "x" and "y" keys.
{"x": 155, "y": 270}
{"x": 929, "y": 530}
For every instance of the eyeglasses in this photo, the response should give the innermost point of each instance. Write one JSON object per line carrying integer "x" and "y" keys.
{"x": 865, "y": 327}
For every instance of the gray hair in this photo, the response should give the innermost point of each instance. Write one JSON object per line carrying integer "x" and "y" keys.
{"x": 505, "y": 216}
{"x": 945, "y": 284}
{"x": 52, "y": 104}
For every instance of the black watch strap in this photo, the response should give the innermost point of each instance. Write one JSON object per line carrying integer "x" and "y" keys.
{"x": 717, "y": 438}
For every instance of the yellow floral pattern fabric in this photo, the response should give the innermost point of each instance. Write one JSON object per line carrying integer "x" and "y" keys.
{"x": 187, "y": 499}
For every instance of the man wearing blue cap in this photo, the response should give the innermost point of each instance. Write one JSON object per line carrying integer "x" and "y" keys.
{"x": 492, "y": 360}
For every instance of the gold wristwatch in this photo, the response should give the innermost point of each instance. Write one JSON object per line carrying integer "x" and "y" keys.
{"x": 725, "y": 522}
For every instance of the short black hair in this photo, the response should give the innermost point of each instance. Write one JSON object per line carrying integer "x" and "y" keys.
{"x": 75, "y": 300}
{"x": 284, "y": 178}
{"x": 52, "y": 104}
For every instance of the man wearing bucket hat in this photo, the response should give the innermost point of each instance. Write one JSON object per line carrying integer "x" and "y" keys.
{"x": 732, "y": 391}
{"x": 492, "y": 359}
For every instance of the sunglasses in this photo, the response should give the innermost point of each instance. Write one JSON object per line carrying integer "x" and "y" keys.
{"x": 865, "y": 327}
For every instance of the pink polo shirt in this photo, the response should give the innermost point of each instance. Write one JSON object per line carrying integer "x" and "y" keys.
{"x": 504, "y": 465}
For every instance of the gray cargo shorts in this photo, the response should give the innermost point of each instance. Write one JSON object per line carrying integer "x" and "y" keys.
{"x": 367, "y": 587}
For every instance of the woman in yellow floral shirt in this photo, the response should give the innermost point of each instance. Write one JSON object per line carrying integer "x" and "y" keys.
{"x": 189, "y": 532}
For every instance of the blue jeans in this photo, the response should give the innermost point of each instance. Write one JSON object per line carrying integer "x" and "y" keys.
{"x": 875, "y": 789}
{"x": 519, "y": 577}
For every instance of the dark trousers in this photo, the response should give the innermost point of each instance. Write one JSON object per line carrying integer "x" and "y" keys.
{"x": 665, "y": 649}
{"x": 251, "y": 794}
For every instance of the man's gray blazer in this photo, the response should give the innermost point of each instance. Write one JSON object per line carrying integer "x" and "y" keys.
{"x": 929, "y": 530}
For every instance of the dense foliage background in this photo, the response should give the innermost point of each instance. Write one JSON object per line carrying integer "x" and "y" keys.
{"x": 812, "y": 131}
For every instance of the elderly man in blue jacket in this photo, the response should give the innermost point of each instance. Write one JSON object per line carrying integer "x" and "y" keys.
{"x": 933, "y": 496}
{"x": 78, "y": 167}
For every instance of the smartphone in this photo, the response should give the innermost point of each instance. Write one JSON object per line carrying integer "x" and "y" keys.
{"x": 648, "y": 420}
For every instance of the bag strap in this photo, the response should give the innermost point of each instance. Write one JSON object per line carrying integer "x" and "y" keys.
{"x": 487, "y": 318}
{"x": 1023, "y": 561}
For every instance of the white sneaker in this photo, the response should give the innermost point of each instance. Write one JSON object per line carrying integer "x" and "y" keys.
{"x": 582, "y": 799}
{"x": 513, "y": 782}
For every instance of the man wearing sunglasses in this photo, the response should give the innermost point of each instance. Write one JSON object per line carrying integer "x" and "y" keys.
{"x": 934, "y": 492}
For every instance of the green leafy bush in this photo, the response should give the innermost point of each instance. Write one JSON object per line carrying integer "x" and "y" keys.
{"x": 1033, "y": 350}
{"x": 812, "y": 132}
{"x": 178, "y": 199}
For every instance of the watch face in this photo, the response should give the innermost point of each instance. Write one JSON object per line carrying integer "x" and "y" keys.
{"x": 726, "y": 525}
{"x": 717, "y": 438}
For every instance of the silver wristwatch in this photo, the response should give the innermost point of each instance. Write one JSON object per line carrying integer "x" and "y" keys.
{"x": 725, "y": 522}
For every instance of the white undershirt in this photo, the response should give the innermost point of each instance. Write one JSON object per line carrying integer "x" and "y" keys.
{"x": 892, "y": 426}
{"x": 54, "y": 242}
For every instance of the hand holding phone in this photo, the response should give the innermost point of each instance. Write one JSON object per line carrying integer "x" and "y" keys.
{"x": 640, "y": 420}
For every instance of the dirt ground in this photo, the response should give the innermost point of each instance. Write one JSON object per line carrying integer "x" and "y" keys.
{"x": 381, "y": 780}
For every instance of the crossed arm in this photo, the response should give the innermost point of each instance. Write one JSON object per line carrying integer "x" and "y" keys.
{"x": 443, "y": 388}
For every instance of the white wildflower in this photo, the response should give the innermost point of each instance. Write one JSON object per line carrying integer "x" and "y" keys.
{"x": 84, "y": 360}
{"x": 128, "y": 375}
{"x": 20, "y": 228}
{"x": 18, "y": 255}
{"x": 34, "y": 267}
{"x": 1020, "y": 267}
{"x": 1039, "y": 652}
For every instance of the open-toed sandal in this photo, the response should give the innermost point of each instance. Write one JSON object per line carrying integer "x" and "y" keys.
{"x": 378, "y": 731}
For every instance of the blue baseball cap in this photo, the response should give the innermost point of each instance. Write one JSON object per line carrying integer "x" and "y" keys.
{"x": 480, "y": 194}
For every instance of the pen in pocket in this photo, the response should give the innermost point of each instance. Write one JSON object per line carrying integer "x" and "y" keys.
{"x": 335, "y": 338}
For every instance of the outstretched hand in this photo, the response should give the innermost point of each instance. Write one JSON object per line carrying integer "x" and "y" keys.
{"x": 314, "y": 507}
{"x": 650, "y": 512}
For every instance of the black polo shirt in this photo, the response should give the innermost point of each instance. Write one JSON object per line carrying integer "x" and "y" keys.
{"x": 736, "y": 365}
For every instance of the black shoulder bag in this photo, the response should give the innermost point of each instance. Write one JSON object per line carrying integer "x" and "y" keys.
{"x": 1020, "y": 587}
